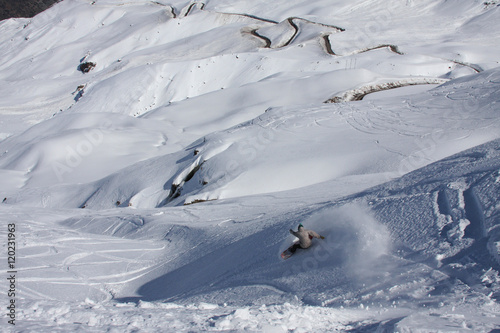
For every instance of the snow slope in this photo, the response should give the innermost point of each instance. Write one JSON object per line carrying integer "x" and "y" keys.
{"x": 155, "y": 192}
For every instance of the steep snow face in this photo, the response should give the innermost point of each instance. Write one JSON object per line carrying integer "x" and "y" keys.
{"x": 164, "y": 179}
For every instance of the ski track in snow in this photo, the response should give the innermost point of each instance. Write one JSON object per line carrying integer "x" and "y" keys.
{"x": 78, "y": 260}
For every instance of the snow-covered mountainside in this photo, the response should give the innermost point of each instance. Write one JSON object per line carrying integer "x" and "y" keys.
{"x": 154, "y": 155}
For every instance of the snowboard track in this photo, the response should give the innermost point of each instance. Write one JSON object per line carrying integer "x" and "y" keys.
{"x": 478, "y": 251}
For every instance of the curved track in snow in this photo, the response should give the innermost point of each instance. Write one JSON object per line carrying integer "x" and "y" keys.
{"x": 359, "y": 93}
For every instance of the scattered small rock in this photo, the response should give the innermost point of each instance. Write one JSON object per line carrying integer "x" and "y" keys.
{"x": 86, "y": 67}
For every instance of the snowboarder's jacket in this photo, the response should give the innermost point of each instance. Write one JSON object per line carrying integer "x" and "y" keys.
{"x": 305, "y": 236}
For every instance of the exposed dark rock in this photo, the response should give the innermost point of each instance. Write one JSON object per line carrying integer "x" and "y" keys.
{"x": 23, "y": 8}
{"x": 86, "y": 67}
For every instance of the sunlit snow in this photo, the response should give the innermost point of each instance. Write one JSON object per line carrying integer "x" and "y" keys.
{"x": 154, "y": 191}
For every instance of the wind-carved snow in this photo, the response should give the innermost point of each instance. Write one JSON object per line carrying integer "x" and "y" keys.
{"x": 155, "y": 191}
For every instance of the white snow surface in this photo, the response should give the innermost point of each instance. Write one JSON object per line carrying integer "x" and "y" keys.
{"x": 155, "y": 192}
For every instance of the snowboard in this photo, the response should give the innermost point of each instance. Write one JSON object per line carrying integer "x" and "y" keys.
{"x": 286, "y": 254}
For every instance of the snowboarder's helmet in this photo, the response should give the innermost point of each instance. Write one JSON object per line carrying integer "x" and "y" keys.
{"x": 300, "y": 226}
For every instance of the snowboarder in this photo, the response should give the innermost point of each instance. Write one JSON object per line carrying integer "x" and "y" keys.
{"x": 305, "y": 237}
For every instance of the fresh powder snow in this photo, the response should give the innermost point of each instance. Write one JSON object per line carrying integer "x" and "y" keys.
{"x": 154, "y": 155}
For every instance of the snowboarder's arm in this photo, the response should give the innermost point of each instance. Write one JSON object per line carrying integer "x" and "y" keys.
{"x": 293, "y": 233}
